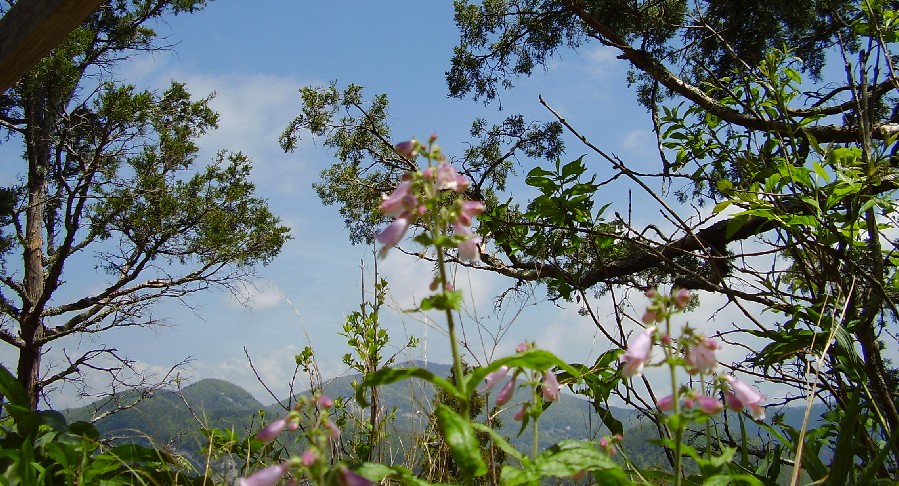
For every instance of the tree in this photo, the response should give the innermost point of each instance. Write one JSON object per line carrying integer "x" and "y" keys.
{"x": 747, "y": 119}
{"x": 111, "y": 170}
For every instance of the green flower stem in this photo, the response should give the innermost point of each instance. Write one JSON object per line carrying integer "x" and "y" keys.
{"x": 675, "y": 393}
{"x": 451, "y": 328}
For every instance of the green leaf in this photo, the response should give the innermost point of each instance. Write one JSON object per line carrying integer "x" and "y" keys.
{"x": 463, "y": 444}
{"x": 500, "y": 441}
{"x": 448, "y": 300}
{"x": 532, "y": 359}
{"x": 392, "y": 375}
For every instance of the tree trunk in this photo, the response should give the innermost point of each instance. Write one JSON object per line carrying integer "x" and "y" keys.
{"x": 37, "y": 137}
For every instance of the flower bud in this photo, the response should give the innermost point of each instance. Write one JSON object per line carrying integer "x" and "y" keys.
{"x": 550, "y": 386}
{"x": 408, "y": 149}
{"x": 505, "y": 394}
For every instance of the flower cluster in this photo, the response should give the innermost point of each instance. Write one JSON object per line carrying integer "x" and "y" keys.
{"x": 547, "y": 381}
{"x": 417, "y": 197}
{"x": 312, "y": 463}
{"x": 700, "y": 357}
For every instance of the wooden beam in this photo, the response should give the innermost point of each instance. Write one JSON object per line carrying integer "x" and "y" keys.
{"x": 31, "y": 28}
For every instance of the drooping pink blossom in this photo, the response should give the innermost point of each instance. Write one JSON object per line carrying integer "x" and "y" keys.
{"x": 393, "y": 233}
{"x": 266, "y": 477}
{"x": 702, "y": 357}
{"x": 407, "y": 149}
{"x": 333, "y": 430}
{"x": 682, "y": 298}
{"x": 550, "y": 386}
{"x": 709, "y": 405}
{"x": 468, "y": 248}
{"x": 505, "y": 393}
{"x": 519, "y": 415}
{"x": 271, "y": 431}
{"x": 324, "y": 401}
{"x": 448, "y": 178}
{"x": 307, "y": 459}
{"x": 522, "y": 347}
{"x": 493, "y": 378}
{"x": 345, "y": 477}
{"x": 747, "y": 396}
{"x": 400, "y": 201}
{"x": 637, "y": 354}
{"x": 650, "y": 317}
{"x": 468, "y": 210}
{"x": 666, "y": 403}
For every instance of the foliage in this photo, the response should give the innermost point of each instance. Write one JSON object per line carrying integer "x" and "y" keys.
{"x": 110, "y": 170}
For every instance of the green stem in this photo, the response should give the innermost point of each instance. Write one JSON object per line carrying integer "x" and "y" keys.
{"x": 451, "y": 328}
{"x": 535, "y": 445}
{"x": 675, "y": 393}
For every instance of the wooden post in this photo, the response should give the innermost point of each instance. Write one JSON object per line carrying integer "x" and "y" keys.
{"x": 31, "y": 28}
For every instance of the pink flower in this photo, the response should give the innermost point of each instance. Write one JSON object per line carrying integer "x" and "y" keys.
{"x": 493, "y": 378}
{"x": 519, "y": 415}
{"x": 637, "y": 354}
{"x": 448, "y": 178}
{"x": 550, "y": 386}
{"x": 682, "y": 298}
{"x": 401, "y": 200}
{"x": 522, "y": 347}
{"x": 745, "y": 396}
{"x": 407, "y": 149}
{"x": 333, "y": 430}
{"x": 266, "y": 477}
{"x": 324, "y": 401}
{"x": 650, "y": 316}
{"x": 393, "y": 233}
{"x": 345, "y": 477}
{"x": 701, "y": 357}
{"x": 468, "y": 248}
{"x": 468, "y": 210}
{"x": 505, "y": 394}
{"x": 271, "y": 431}
{"x": 709, "y": 405}
{"x": 308, "y": 458}
{"x": 666, "y": 403}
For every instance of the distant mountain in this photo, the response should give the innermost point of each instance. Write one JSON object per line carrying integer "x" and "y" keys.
{"x": 174, "y": 421}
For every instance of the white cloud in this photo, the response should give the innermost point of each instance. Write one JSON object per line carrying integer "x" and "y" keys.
{"x": 257, "y": 295}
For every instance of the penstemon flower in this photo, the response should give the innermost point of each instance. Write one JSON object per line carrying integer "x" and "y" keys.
{"x": 701, "y": 356}
{"x": 266, "y": 477}
{"x": 637, "y": 354}
{"x": 505, "y": 394}
{"x": 493, "y": 378}
{"x": 743, "y": 395}
{"x": 550, "y": 386}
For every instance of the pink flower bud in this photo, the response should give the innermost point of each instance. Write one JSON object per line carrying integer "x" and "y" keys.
{"x": 702, "y": 357}
{"x": 650, "y": 316}
{"x": 345, "y": 477}
{"x": 308, "y": 458}
{"x": 266, "y": 477}
{"x": 333, "y": 430}
{"x": 682, "y": 298}
{"x": 324, "y": 401}
{"x": 448, "y": 178}
{"x": 651, "y": 293}
{"x": 493, "y": 378}
{"x": 709, "y": 405}
{"x": 666, "y": 403}
{"x": 271, "y": 431}
{"x": 505, "y": 394}
{"x": 519, "y": 415}
{"x": 522, "y": 347}
{"x": 637, "y": 354}
{"x": 550, "y": 386}
{"x": 408, "y": 149}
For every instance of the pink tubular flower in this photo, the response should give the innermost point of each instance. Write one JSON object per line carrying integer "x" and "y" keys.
{"x": 324, "y": 401}
{"x": 519, "y": 415}
{"x": 550, "y": 386}
{"x": 308, "y": 458}
{"x": 505, "y": 394}
{"x": 266, "y": 477}
{"x": 493, "y": 378}
{"x": 682, "y": 298}
{"x": 448, "y": 178}
{"x": 666, "y": 403}
{"x": 701, "y": 357}
{"x": 345, "y": 477}
{"x": 522, "y": 347}
{"x": 709, "y": 405}
{"x": 393, "y": 233}
{"x": 745, "y": 396}
{"x": 407, "y": 149}
{"x": 468, "y": 210}
{"x": 399, "y": 201}
{"x": 333, "y": 430}
{"x": 637, "y": 354}
{"x": 468, "y": 248}
{"x": 650, "y": 316}
{"x": 271, "y": 431}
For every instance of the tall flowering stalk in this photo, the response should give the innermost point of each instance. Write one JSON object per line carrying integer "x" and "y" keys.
{"x": 432, "y": 199}
{"x": 697, "y": 355}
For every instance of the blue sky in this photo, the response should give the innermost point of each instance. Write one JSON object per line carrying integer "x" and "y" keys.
{"x": 256, "y": 56}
